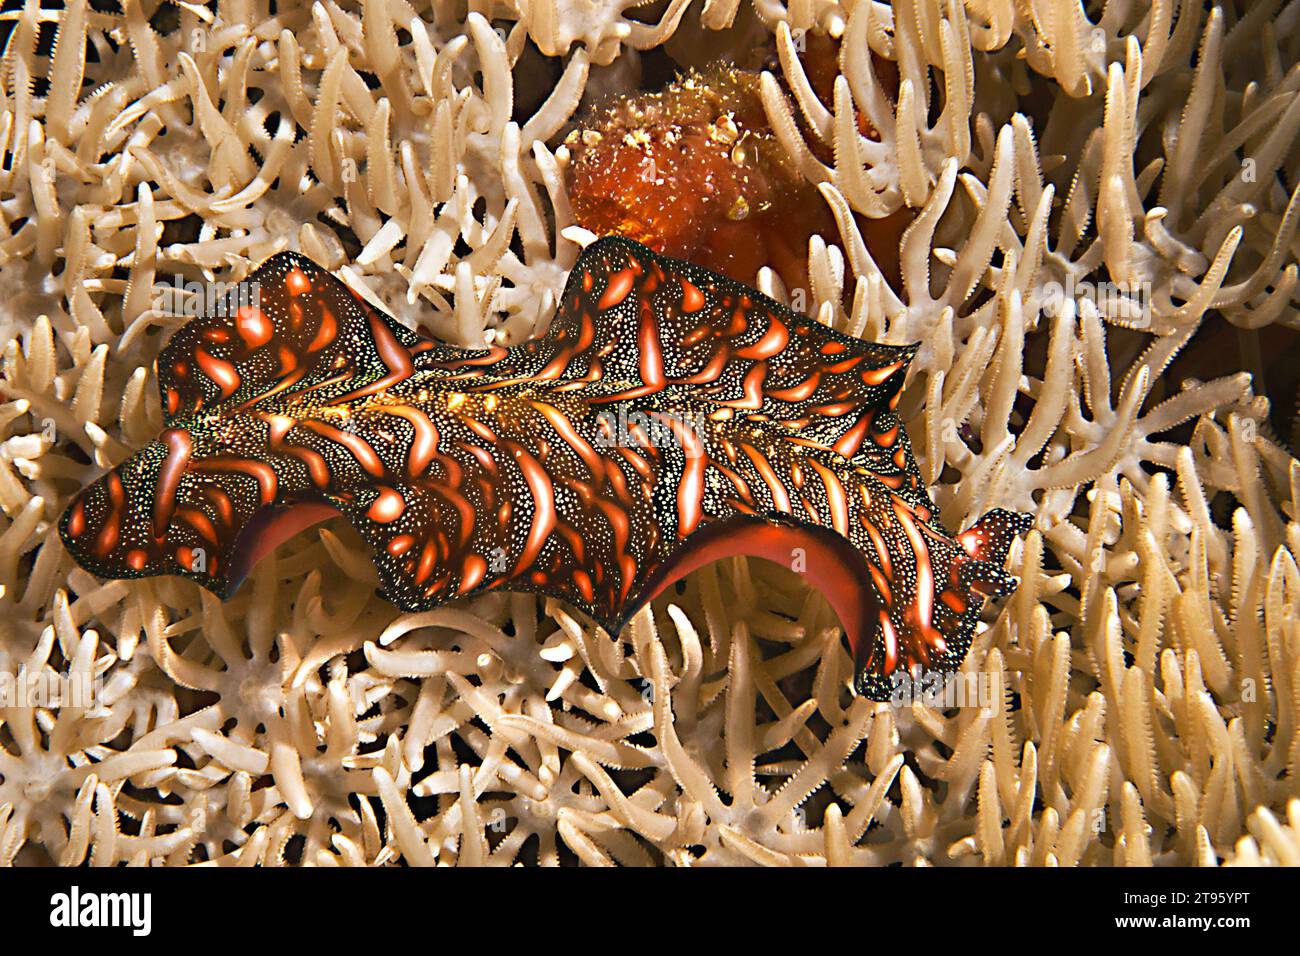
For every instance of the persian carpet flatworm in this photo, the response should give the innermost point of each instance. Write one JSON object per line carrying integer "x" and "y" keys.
{"x": 669, "y": 417}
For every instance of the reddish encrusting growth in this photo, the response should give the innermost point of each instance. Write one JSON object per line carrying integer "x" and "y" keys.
{"x": 695, "y": 172}
{"x": 670, "y": 416}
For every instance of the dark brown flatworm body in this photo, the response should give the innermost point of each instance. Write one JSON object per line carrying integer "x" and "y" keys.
{"x": 668, "y": 417}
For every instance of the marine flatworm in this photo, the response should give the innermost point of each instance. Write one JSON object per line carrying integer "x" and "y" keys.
{"x": 669, "y": 417}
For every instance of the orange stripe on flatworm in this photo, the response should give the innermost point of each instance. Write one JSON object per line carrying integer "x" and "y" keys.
{"x": 221, "y": 501}
{"x": 136, "y": 559}
{"x": 843, "y": 365}
{"x": 77, "y": 520}
{"x": 472, "y": 573}
{"x": 652, "y": 360}
{"x": 878, "y": 543}
{"x": 278, "y": 426}
{"x": 618, "y": 523}
{"x": 313, "y": 461}
{"x": 881, "y": 584}
{"x": 690, "y": 488}
{"x": 490, "y": 356}
{"x": 264, "y": 474}
{"x": 620, "y": 284}
{"x": 835, "y": 409}
{"x": 752, "y": 387}
{"x": 586, "y": 332}
{"x": 875, "y": 376}
{"x": 835, "y": 497}
{"x": 625, "y": 395}
{"x": 481, "y": 430}
{"x": 359, "y": 448}
{"x": 953, "y": 601}
{"x": 772, "y": 341}
{"x": 564, "y": 428}
{"x": 636, "y": 461}
{"x": 253, "y": 326}
{"x": 288, "y": 361}
{"x": 296, "y": 281}
{"x": 543, "y": 495}
{"x": 428, "y": 558}
{"x": 582, "y": 580}
{"x": 849, "y": 443}
{"x": 923, "y": 605}
{"x": 199, "y": 522}
{"x": 832, "y": 348}
{"x": 780, "y": 498}
{"x": 575, "y": 541}
{"x": 796, "y": 393}
{"x": 587, "y": 281}
{"x": 739, "y": 483}
{"x": 326, "y": 332}
{"x": 173, "y": 400}
{"x": 463, "y": 508}
{"x": 109, "y": 532}
{"x": 179, "y": 446}
{"x": 424, "y": 444}
{"x": 387, "y": 506}
{"x": 483, "y": 456}
{"x": 400, "y": 545}
{"x": 711, "y": 372}
{"x": 692, "y": 297}
{"x": 891, "y": 642}
{"x": 219, "y": 370}
{"x": 627, "y": 570}
{"x": 887, "y": 437}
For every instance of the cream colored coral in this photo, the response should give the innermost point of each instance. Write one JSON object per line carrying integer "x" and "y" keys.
{"x": 1146, "y": 673}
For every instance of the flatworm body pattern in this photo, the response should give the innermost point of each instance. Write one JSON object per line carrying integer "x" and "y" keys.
{"x": 668, "y": 417}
